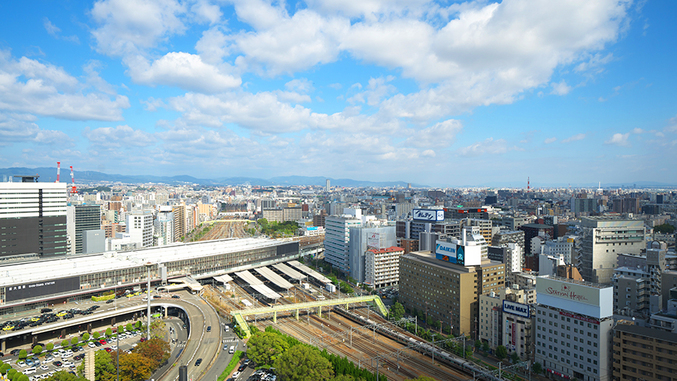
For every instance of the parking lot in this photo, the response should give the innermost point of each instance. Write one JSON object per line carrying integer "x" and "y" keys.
{"x": 47, "y": 363}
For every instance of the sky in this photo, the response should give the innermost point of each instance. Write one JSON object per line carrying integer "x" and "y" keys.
{"x": 440, "y": 93}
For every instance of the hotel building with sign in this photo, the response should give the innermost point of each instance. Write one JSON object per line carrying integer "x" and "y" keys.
{"x": 574, "y": 321}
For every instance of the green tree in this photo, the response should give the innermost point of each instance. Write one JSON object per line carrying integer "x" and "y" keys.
{"x": 303, "y": 363}
{"x": 664, "y": 228}
{"x": 85, "y": 336}
{"x": 344, "y": 377}
{"x": 63, "y": 375}
{"x": 501, "y": 352}
{"x": 138, "y": 324}
{"x": 4, "y": 368}
{"x": 485, "y": 347}
{"x": 537, "y": 367}
{"x": 23, "y": 354}
{"x": 75, "y": 340}
{"x": 65, "y": 343}
{"x": 265, "y": 347}
{"x": 121, "y": 329}
{"x": 37, "y": 349}
{"x": 397, "y": 311}
{"x": 478, "y": 344}
{"x": 129, "y": 327}
{"x": 11, "y": 372}
{"x": 155, "y": 350}
{"x": 50, "y": 346}
{"x": 96, "y": 335}
{"x": 109, "y": 332}
{"x": 23, "y": 377}
{"x": 515, "y": 358}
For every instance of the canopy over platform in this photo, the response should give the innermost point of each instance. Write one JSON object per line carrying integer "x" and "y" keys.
{"x": 273, "y": 277}
{"x": 314, "y": 274}
{"x": 288, "y": 271}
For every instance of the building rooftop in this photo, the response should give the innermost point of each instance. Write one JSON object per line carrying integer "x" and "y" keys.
{"x": 429, "y": 258}
{"x": 648, "y": 332}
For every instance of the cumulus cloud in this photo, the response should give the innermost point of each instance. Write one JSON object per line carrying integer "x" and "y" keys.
{"x": 574, "y": 138}
{"x": 16, "y": 128}
{"x": 487, "y": 147}
{"x": 30, "y": 86}
{"x": 55, "y": 32}
{"x": 439, "y": 135}
{"x": 184, "y": 70}
{"x": 619, "y": 139}
{"x": 560, "y": 88}
{"x": 550, "y": 140}
{"x": 117, "y": 137}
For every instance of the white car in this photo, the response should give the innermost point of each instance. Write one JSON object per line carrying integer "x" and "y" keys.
{"x": 21, "y": 364}
{"x": 236, "y": 374}
{"x": 91, "y": 345}
{"x": 29, "y": 370}
{"x": 44, "y": 367}
{"x": 67, "y": 364}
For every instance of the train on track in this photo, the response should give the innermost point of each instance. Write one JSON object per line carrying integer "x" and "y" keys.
{"x": 423, "y": 347}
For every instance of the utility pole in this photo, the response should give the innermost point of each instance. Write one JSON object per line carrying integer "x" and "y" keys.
{"x": 148, "y": 267}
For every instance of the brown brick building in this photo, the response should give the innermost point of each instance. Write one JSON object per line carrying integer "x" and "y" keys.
{"x": 642, "y": 353}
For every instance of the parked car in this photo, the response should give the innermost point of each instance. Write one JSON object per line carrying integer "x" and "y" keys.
{"x": 198, "y": 362}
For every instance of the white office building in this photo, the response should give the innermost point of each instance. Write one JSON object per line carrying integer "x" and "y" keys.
{"x": 574, "y": 320}
{"x": 337, "y": 238}
{"x": 140, "y": 227}
{"x": 164, "y": 226}
{"x": 382, "y": 266}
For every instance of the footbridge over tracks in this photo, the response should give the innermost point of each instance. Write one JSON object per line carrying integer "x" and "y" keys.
{"x": 239, "y": 316}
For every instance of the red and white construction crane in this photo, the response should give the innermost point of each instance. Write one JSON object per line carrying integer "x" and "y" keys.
{"x": 58, "y": 171}
{"x": 74, "y": 190}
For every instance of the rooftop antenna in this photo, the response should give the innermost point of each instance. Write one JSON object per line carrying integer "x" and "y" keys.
{"x": 73, "y": 188}
{"x": 58, "y": 170}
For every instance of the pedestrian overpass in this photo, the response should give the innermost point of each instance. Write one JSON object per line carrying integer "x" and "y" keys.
{"x": 239, "y": 316}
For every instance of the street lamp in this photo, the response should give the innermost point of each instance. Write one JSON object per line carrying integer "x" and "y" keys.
{"x": 148, "y": 267}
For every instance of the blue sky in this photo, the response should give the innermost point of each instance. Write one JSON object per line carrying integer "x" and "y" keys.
{"x": 438, "y": 93}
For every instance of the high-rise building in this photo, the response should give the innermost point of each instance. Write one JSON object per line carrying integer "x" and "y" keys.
{"x": 643, "y": 353}
{"x": 328, "y": 186}
{"x": 382, "y": 266}
{"x": 33, "y": 219}
{"x": 140, "y": 227}
{"x": 82, "y": 218}
{"x": 164, "y": 226}
{"x": 337, "y": 238}
{"x": 362, "y": 238}
{"x": 603, "y": 239}
{"x": 574, "y": 322}
{"x": 180, "y": 213}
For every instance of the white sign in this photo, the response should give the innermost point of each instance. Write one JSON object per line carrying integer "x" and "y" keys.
{"x": 373, "y": 240}
{"x": 428, "y": 214}
{"x": 518, "y": 309}
{"x": 446, "y": 251}
{"x": 568, "y": 291}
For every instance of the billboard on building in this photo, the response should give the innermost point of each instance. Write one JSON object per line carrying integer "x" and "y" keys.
{"x": 586, "y": 299}
{"x": 42, "y": 288}
{"x": 449, "y": 252}
{"x": 518, "y": 309}
{"x": 374, "y": 240}
{"x": 432, "y": 215}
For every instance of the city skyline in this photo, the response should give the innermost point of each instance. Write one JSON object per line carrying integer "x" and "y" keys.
{"x": 423, "y": 92}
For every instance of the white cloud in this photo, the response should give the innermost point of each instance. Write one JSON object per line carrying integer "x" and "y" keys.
{"x": 184, "y": 70}
{"x": 574, "y": 138}
{"x": 377, "y": 89}
{"x": 560, "y": 88}
{"x": 637, "y": 131}
{"x": 131, "y": 26}
{"x": 50, "y": 91}
{"x": 117, "y": 137}
{"x": 619, "y": 139}
{"x": 439, "y": 135}
{"x": 487, "y": 147}
{"x": 22, "y": 128}
{"x": 55, "y": 32}
{"x": 550, "y": 140}
{"x": 301, "y": 85}
{"x": 204, "y": 11}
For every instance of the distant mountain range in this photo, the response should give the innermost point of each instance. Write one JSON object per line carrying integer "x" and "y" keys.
{"x": 87, "y": 177}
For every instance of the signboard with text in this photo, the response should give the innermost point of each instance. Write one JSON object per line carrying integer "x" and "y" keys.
{"x": 568, "y": 291}
{"x": 374, "y": 240}
{"x": 432, "y": 215}
{"x": 42, "y": 288}
{"x": 518, "y": 309}
{"x": 449, "y": 252}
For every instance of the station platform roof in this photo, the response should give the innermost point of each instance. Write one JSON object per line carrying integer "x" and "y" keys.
{"x": 288, "y": 271}
{"x": 249, "y": 278}
{"x": 223, "y": 278}
{"x": 319, "y": 277}
{"x": 186, "y": 281}
{"x": 273, "y": 277}
{"x": 265, "y": 291}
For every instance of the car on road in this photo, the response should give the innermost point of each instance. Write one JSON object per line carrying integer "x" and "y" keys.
{"x": 242, "y": 367}
{"x": 209, "y": 328}
{"x": 57, "y": 363}
{"x": 176, "y": 297}
{"x": 198, "y": 362}
{"x": 236, "y": 375}
{"x": 110, "y": 301}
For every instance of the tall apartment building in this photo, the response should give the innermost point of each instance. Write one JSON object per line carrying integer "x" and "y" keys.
{"x": 603, "y": 239}
{"x": 503, "y": 237}
{"x": 583, "y": 205}
{"x": 643, "y": 353}
{"x": 637, "y": 281}
{"x": 337, "y": 238}
{"x": 33, "y": 219}
{"x": 505, "y": 318}
{"x": 484, "y": 226}
{"x": 560, "y": 247}
{"x": 180, "y": 213}
{"x": 382, "y": 266}
{"x": 140, "y": 227}
{"x": 164, "y": 226}
{"x": 363, "y": 237}
{"x": 574, "y": 322}
{"x": 82, "y": 218}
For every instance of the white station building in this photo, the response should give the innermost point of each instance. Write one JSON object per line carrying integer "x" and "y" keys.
{"x": 573, "y": 328}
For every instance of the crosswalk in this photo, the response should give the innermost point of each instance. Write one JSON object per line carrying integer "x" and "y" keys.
{"x": 230, "y": 341}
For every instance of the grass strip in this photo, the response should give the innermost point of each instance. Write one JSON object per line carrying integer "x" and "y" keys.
{"x": 231, "y": 365}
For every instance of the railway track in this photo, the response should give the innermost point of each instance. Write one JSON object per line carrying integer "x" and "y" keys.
{"x": 333, "y": 334}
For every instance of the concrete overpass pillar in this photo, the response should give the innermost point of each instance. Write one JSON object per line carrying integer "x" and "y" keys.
{"x": 297, "y": 315}
{"x": 112, "y": 322}
{"x": 89, "y": 328}
{"x": 275, "y": 317}
{"x": 166, "y": 309}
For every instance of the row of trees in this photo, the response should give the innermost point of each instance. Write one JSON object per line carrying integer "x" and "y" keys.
{"x": 277, "y": 229}
{"x": 296, "y": 361}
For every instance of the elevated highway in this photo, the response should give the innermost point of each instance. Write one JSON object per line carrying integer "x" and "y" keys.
{"x": 239, "y": 316}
